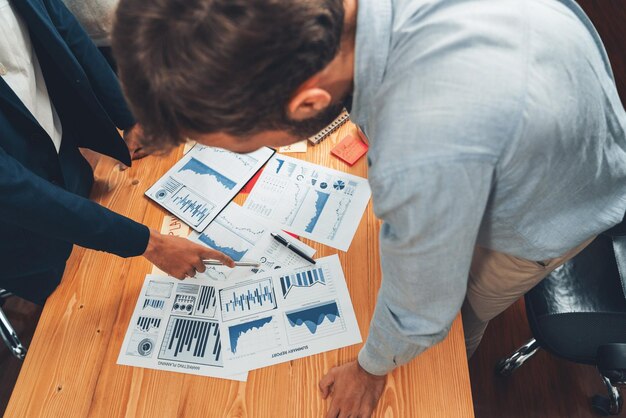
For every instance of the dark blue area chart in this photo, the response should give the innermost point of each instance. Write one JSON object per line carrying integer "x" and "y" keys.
{"x": 197, "y": 167}
{"x": 314, "y": 316}
{"x": 229, "y": 251}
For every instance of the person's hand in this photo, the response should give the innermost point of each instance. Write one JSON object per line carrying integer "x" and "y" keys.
{"x": 355, "y": 392}
{"x": 180, "y": 257}
{"x": 132, "y": 136}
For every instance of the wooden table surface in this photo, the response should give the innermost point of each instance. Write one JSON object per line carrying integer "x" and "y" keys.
{"x": 71, "y": 370}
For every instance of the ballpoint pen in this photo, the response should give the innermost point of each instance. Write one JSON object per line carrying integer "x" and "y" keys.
{"x": 292, "y": 247}
{"x": 237, "y": 263}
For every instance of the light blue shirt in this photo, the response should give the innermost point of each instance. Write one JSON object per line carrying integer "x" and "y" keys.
{"x": 491, "y": 122}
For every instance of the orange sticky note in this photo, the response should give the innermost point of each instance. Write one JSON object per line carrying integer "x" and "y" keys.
{"x": 350, "y": 149}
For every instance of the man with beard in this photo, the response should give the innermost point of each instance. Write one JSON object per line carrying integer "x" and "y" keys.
{"x": 497, "y": 144}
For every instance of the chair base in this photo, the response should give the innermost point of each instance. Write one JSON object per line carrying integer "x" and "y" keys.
{"x": 508, "y": 365}
{"x": 611, "y": 405}
{"x": 8, "y": 334}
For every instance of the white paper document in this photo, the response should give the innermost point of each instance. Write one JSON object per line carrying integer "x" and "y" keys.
{"x": 310, "y": 200}
{"x": 204, "y": 181}
{"x": 272, "y": 319}
{"x": 245, "y": 237}
{"x": 220, "y": 328}
{"x": 175, "y": 327}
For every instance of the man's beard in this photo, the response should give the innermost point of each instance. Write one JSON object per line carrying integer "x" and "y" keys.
{"x": 308, "y": 127}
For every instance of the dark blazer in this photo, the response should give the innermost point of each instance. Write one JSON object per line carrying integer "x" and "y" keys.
{"x": 43, "y": 204}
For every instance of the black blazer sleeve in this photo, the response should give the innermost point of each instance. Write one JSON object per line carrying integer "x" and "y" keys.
{"x": 35, "y": 204}
{"x": 102, "y": 78}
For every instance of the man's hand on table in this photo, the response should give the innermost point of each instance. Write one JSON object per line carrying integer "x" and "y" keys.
{"x": 132, "y": 136}
{"x": 180, "y": 257}
{"x": 355, "y": 392}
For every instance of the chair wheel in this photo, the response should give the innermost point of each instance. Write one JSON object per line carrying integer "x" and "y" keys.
{"x": 601, "y": 405}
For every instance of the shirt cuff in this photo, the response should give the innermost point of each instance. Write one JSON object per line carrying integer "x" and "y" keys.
{"x": 374, "y": 363}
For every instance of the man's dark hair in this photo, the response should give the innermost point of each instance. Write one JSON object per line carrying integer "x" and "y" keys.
{"x": 229, "y": 66}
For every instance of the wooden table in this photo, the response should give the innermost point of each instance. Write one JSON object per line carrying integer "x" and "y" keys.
{"x": 71, "y": 370}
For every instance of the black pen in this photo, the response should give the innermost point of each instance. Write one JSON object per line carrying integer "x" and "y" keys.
{"x": 292, "y": 247}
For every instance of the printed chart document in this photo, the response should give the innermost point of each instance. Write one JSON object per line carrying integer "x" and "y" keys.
{"x": 201, "y": 183}
{"x": 244, "y": 237}
{"x": 221, "y": 328}
{"x": 310, "y": 200}
{"x": 272, "y": 319}
{"x": 176, "y": 327}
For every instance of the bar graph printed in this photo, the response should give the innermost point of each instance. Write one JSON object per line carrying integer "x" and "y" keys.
{"x": 157, "y": 304}
{"x": 302, "y": 279}
{"x": 147, "y": 323}
{"x": 254, "y": 336}
{"x": 207, "y": 302}
{"x": 314, "y": 322}
{"x": 249, "y": 299}
{"x": 306, "y": 286}
{"x": 192, "y": 340}
{"x": 190, "y": 207}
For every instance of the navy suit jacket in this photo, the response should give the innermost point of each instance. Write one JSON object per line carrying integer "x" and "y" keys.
{"x": 44, "y": 208}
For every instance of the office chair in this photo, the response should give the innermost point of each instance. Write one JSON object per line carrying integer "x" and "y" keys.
{"x": 579, "y": 313}
{"x": 8, "y": 333}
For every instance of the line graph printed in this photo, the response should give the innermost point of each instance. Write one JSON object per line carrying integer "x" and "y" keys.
{"x": 248, "y": 299}
{"x": 254, "y": 336}
{"x": 296, "y": 197}
{"x": 192, "y": 340}
{"x": 245, "y": 161}
{"x": 314, "y": 322}
{"x": 340, "y": 211}
{"x": 239, "y": 224}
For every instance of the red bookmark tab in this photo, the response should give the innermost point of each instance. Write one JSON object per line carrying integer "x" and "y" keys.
{"x": 250, "y": 184}
{"x": 350, "y": 149}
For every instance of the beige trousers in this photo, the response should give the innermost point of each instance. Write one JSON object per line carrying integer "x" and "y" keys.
{"x": 496, "y": 281}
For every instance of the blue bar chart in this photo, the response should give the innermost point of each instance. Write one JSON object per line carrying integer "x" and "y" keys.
{"x": 190, "y": 206}
{"x": 192, "y": 340}
{"x": 157, "y": 304}
{"x": 207, "y": 302}
{"x": 302, "y": 279}
{"x": 147, "y": 323}
{"x": 248, "y": 299}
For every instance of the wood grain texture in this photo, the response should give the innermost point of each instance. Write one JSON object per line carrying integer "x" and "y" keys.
{"x": 71, "y": 368}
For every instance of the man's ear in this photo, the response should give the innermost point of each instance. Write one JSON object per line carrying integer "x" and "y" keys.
{"x": 307, "y": 102}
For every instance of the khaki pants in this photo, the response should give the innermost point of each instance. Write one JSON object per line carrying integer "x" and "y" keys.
{"x": 496, "y": 281}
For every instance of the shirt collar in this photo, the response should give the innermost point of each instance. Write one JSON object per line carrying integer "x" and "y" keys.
{"x": 373, "y": 34}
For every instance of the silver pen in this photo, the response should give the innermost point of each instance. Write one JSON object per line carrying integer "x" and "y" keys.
{"x": 237, "y": 263}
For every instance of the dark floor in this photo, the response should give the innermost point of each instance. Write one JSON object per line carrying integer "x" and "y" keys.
{"x": 23, "y": 316}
